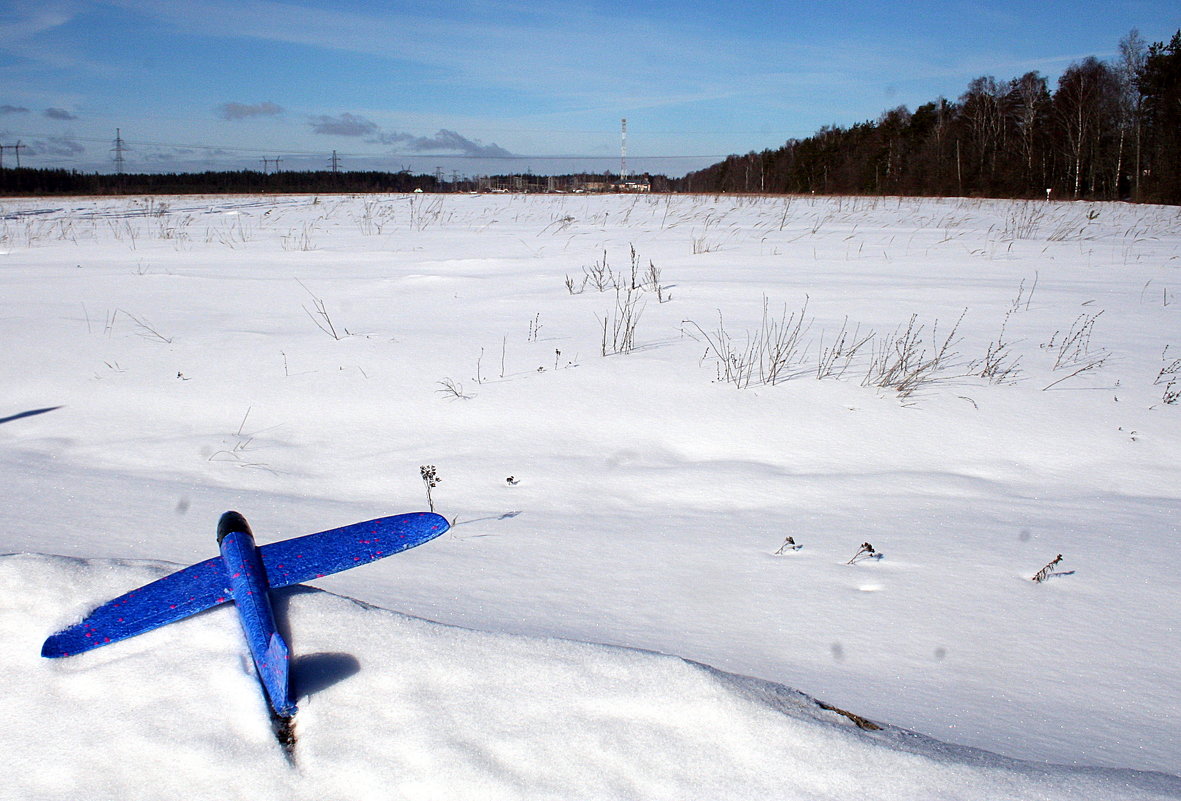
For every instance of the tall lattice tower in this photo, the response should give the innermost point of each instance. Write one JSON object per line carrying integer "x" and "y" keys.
{"x": 118, "y": 151}
{"x": 623, "y": 151}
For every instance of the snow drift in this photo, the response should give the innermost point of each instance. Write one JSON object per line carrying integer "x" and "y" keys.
{"x": 398, "y": 707}
{"x": 299, "y": 358}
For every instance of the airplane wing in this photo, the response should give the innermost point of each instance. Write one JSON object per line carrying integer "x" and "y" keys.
{"x": 205, "y": 584}
{"x": 321, "y": 554}
{"x": 177, "y": 595}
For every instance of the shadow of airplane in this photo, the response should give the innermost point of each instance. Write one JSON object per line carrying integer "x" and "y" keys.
{"x": 310, "y": 673}
{"x": 29, "y": 413}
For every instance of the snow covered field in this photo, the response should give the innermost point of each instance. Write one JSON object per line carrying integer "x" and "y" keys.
{"x": 973, "y": 387}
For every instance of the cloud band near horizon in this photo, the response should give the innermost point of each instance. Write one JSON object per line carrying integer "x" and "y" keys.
{"x": 444, "y": 140}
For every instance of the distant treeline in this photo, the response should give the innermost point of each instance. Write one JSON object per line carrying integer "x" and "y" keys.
{"x": 26, "y": 181}
{"x": 1108, "y": 131}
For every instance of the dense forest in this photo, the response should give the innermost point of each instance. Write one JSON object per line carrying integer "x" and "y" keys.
{"x": 1107, "y": 131}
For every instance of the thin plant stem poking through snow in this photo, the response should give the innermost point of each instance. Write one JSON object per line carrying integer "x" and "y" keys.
{"x": 453, "y": 390}
{"x": 1048, "y": 571}
{"x": 431, "y": 479}
{"x": 321, "y": 318}
{"x": 789, "y": 544}
{"x": 866, "y": 552}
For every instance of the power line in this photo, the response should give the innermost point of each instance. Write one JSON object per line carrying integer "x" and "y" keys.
{"x": 227, "y": 149}
{"x": 15, "y": 149}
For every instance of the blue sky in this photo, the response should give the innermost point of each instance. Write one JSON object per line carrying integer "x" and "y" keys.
{"x": 475, "y": 86}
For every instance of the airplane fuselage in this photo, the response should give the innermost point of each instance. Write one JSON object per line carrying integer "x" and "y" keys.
{"x": 250, "y": 591}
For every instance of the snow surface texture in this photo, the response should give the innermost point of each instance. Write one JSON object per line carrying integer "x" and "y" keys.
{"x": 299, "y": 358}
{"x": 398, "y": 707}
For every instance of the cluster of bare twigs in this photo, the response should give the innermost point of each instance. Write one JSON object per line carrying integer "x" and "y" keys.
{"x": 598, "y": 275}
{"x": 1168, "y": 376}
{"x": 836, "y": 357}
{"x": 1072, "y": 350}
{"x": 1023, "y": 221}
{"x": 619, "y": 323}
{"x": 999, "y": 365}
{"x": 903, "y": 363}
{"x": 763, "y": 356}
{"x": 776, "y": 350}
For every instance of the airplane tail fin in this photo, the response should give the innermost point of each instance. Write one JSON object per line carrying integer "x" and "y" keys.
{"x": 274, "y": 674}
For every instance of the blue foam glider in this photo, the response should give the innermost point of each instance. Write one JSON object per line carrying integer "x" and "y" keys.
{"x": 245, "y": 573}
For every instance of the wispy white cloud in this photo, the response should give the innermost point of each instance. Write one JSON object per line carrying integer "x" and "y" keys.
{"x": 23, "y": 27}
{"x": 42, "y": 58}
{"x": 545, "y": 60}
{"x": 561, "y": 55}
{"x": 26, "y": 20}
{"x": 375, "y": 34}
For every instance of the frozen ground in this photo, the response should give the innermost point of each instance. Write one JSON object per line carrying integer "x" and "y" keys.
{"x": 299, "y": 358}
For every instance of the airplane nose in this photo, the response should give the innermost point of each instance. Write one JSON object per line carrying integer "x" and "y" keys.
{"x": 231, "y": 522}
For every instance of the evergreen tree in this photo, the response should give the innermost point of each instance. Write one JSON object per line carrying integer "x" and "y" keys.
{"x": 1160, "y": 88}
